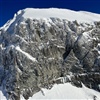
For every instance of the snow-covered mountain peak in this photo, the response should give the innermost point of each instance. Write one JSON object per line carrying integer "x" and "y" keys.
{"x": 40, "y": 48}
{"x": 37, "y": 13}
{"x": 80, "y": 16}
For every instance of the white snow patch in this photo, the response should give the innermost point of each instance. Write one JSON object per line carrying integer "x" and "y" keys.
{"x": 62, "y": 14}
{"x": 60, "y": 47}
{"x": 26, "y": 54}
{"x": 2, "y": 97}
{"x": 51, "y": 58}
{"x": 66, "y": 91}
{"x": 99, "y": 53}
{"x": 53, "y": 39}
{"x": 98, "y": 44}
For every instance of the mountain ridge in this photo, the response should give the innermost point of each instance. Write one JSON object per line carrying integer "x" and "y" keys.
{"x": 36, "y": 52}
{"x": 40, "y": 13}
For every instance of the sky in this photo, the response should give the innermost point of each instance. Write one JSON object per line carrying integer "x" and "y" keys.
{"x": 9, "y": 7}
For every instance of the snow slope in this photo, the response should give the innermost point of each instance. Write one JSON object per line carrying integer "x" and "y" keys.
{"x": 66, "y": 91}
{"x": 70, "y": 15}
{"x": 33, "y": 13}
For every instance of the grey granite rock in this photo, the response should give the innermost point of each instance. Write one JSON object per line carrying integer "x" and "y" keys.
{"x": 34, "y": 54}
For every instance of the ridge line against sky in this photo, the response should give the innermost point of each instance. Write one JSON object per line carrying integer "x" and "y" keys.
{"x": 9, "y": 7}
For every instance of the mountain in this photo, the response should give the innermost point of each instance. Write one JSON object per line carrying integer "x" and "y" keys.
{"x": 40, "y": 48}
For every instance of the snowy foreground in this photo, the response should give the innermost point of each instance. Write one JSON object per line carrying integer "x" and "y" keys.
{"x": 63, "y": 91}
{"x": 67, "y": 91}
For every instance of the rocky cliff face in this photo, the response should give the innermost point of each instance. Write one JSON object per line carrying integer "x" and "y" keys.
{"x": 35, "y": 53}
